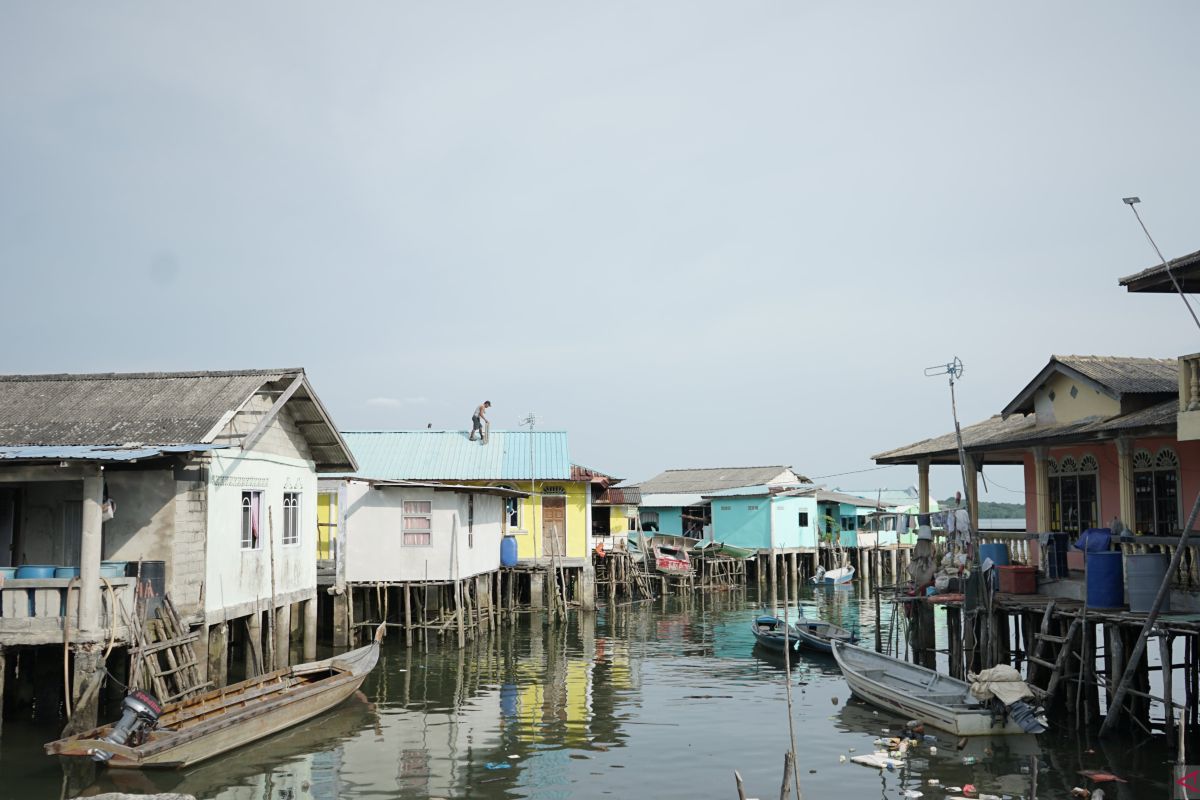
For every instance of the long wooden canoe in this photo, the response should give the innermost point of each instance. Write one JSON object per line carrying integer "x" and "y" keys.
{"x": 915, "y": 692}
{"x": 219, "y": 721}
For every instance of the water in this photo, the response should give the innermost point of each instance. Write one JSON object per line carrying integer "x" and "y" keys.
{"x": 653, "y": 700}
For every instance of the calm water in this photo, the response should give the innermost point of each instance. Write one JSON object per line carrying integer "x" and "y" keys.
{"x": 662, "y": 699}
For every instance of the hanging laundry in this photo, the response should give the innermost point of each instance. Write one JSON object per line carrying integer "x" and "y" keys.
{"x": 902, "y": 523}
{"x": 962, "y": 520}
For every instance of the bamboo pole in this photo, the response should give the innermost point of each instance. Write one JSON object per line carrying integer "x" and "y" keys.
{"x": 1110, "y": 719}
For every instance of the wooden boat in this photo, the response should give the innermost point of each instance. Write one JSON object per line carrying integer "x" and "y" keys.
{"x": 917, "y": 693}
{"x": 710, "y": 548}
{"x": 770, "y": 633}
{"x": 671, "y": 560}
{"x": 819, "y": 635}
{"x": 833, "y": 577}
{"x": 193, "y": 730}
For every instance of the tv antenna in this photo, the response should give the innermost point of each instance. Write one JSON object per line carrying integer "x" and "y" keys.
{"x": 1132, "y": 203}
{"x": 954, "y": 370}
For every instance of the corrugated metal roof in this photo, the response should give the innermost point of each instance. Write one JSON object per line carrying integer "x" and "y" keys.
{"x": 450, "y": 455}
{"x": 706, "y": 481}
{"x": 671, "y": 500}
{"x": 91, "y": 453}
{"x": 153, "y": 409}
{"x": 620, "y": 496}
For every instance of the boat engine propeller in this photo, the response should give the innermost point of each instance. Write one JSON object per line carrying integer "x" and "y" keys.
{"x": 139, "y": 714}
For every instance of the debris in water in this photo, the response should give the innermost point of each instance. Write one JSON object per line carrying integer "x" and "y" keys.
{"x": 498, "y": 765}
{"x": 933, "y": 751}
{"x": 1100, "y": 776}
{"x": 961, "y": 743}
{"x": 842, "y": 759}
{"x": 913, "y": 793}
{"x": 834, "y": 699}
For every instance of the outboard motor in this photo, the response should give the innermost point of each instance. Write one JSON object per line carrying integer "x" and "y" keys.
{"x": 139, "y": 714}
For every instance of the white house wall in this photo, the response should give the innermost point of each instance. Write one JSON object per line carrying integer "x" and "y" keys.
{"x": 235, "y": 579}
{"x": 373, "y": 535}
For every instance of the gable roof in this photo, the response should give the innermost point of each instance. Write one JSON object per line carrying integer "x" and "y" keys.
{"x": 450, "y": 455}
{"x": 1186, "y": 270}
{"x": 155, "y": 409}
{"x": 1115, "y": 376}
{"x": 702, "y": 481}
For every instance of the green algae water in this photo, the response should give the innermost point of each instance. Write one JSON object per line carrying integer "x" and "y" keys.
{"x": 649, "y": 700}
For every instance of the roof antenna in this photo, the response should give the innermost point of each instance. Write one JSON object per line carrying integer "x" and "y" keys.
{"x": 954, "y": 369}
{"x": 1132, "y": 203}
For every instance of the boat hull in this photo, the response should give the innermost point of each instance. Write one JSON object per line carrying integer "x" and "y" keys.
{"x": 768, "y": 633}
{"x": 957, "y": 719}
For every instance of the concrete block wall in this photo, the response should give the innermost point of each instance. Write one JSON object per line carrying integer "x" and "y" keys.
{"x": 186, "y": 572}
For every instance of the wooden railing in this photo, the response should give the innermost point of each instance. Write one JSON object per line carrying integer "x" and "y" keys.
{"x": 33, "y": 608}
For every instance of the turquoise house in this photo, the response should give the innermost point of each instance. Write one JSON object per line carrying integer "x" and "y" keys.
{"x": 676, "y": 503}
{"x": 784, "y": 518}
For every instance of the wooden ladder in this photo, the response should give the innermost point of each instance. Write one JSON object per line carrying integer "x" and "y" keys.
{"x": 1061, "y": 656}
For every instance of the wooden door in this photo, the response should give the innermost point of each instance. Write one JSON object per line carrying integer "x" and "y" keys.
{"x": 554, "y": 526}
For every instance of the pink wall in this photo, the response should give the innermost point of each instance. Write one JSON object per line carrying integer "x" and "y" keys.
{"x": 1031, "y": 496}
{"x": 1105, "y": 454}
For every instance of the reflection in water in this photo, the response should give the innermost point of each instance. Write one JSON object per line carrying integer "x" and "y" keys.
{"x": 657, "y": 699}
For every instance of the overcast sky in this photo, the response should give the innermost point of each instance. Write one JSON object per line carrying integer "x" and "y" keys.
{"x": 689, "y": 233}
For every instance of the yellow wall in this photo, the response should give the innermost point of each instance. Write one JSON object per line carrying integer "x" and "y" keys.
{"x": 1064, "y": 408}
{"x": 327, "y": 520}
{"x": 529, "y": 535}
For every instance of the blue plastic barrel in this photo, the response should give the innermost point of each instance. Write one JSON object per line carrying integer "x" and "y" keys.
{"x": 1105, "y": 580}
{"x": 66, "y": 572}
{"x": 508, "y": 551}
{"x": 997, "y": 552}
{"x": 36, "y": 571}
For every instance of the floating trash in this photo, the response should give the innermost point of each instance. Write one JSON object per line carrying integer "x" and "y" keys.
{"x": 498, "y": 765}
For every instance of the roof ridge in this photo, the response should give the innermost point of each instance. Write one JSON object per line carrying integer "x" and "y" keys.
{"x": 442, "y": 430}
{"x": 122, "y": 376}
{"x": 713, "y": 469}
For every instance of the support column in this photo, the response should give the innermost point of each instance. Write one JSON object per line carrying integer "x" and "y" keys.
{"x": 972, "y": 490}
{"x": 218, "y": 655}
{"x": 923, "y": 485}
{"x": 341, "y": 617}
{"x": 89, "y": 551}
{"x": 85, "y": 704}
{"x": 3, "y": 672}
{"x": 587, "y": 587}
{"x": 1125, "y": 481}
{"x": 310, "y": 629}
{"x": 254, "y": 647}
{"x": 283, "y": 638}
{"x": 1041, "y": 483}
{"x": 537, "y": 589}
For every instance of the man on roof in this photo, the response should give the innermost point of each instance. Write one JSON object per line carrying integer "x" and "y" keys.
{"x": 479, "y": 418}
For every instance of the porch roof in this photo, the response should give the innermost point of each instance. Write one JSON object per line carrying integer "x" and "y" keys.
{"x": 1008, "y": 437}
{"x": 95, "y": 453}
{"x": 460, "y": 488}
{"x": 1186, "y": 270}
{"x": 620, "y": 496}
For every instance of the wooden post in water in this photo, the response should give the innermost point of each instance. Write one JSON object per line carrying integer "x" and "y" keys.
{"x": 1167, "y": 661}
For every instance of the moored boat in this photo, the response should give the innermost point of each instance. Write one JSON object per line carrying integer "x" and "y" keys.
{"x": 819, "y": 635}
{"x": 918, "y": 693}
{"x": 671, "y": 560}
{"x": 177, "y": 735}
{"x": 771, "y": 633}
{"x": 833, "y": 577}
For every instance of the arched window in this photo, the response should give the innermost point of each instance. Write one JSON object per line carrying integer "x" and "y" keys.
{"x": 1156, "y": 492}
{"x": 1074, "y": 494}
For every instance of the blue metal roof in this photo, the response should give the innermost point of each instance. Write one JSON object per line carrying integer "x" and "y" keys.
{"x": 85, "y": 452}
{"x": 450, "y": 455}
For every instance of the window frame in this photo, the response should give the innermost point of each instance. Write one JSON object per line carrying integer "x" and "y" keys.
{"x": 406, "y": 532}
{"x": 291, "y": 519}
{"x": 248, "y": 510}
{"x": 1164, "y": 509}
{"x": 802, "y": 519}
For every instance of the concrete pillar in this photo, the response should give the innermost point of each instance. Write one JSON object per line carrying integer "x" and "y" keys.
{"x": 218, "y": 655}
{"x": 1041, "y": 482}
{"x": 85, "y": 704}
{"x": 1124, "y": 482}
{"x": 537, "y": 589}
{"x": 310, "y": 629}
{"x": 341, "y": 617}
{"x": 587, "y": 587}
{"x": 283, "y": 639}
{"x": 3, "y": 672}
{"x": 254, "y": 644}
{"x": 923, "y": 485}
{"x": 89, "y": 551}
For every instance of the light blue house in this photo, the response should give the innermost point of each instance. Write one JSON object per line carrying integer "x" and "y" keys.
{"x": 675, "y": 503}
{"x": 788, "y": 519}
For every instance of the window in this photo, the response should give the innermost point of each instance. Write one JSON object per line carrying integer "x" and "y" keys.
{"x": 752, "y": 508}
{"x": 327, "y": 521}
{"x": 726, "y": 508}
{"x": 1074, "y": 494}
{"x": 291, "y": 518}
{"x": 251, "y": 519}
{"x": 1156, "y": 493}
{"x": 512, "y": 512}
{"x": 849, "y": 523}
{"x": 803, "y": 519}
{"x": 470, "y": 520}
{"x": 418, "y": 522}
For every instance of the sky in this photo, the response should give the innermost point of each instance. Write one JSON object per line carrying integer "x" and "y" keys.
{"x": 692, "y": 234}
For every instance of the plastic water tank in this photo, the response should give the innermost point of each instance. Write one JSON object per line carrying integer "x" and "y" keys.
{"x": 1144, "y": 573}
{"x": 1105, "y": 581}
{"x": 508, "y": 551}
{"x": 36, "y": 571}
